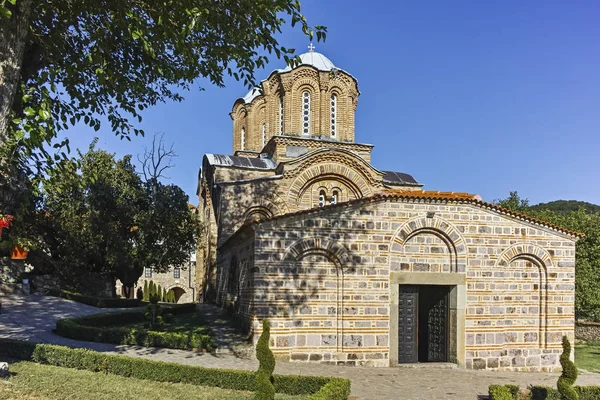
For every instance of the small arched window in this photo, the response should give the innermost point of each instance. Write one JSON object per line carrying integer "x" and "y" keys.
{"x": 334, "y": 197}
{"x": 264, "y": 134}
{"x": 306, "y": 113}
{"x": 322, "y": 198}
{"x": 281, "y": 115}
{"x": 243, "y": 139}
{"x": 333, "y": 115}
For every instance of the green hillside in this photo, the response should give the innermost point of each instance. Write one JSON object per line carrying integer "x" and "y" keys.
{"x": 566, "y": 206}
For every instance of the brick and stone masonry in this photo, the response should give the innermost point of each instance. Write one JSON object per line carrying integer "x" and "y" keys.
{"x": 300, "y": 228}
{"x": 327, "y": 281}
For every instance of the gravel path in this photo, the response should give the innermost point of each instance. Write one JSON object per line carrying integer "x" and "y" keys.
{"x": 33, "y": 318}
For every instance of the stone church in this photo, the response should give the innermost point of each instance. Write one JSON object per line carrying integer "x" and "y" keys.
{"x": 358, "y": 266}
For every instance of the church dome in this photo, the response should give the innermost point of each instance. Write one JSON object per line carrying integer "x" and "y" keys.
{"x": 317, "y": 60}
{"x": 312, "y": 58}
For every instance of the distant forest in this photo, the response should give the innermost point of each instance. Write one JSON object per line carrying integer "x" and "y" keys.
{"x": 567, "y": 206}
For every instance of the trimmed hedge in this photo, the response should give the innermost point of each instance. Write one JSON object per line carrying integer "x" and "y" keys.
{"x": 96, "y": 328}
{"x": 319, "y": 387}
{"x": 100, "y": 302}
{"x": 543, "y": 392}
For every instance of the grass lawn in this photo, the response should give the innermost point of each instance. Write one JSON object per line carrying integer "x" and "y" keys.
{"x": 44, "y": 382}
{"x": 588, "y": 357}
{"x": 188, "y": 322}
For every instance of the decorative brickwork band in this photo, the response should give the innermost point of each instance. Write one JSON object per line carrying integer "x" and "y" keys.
{"x": 428, "y": 245}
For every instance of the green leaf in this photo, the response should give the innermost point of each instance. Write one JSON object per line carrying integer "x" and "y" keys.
{"x": 44, "y": 115}
{"x": 5, "y": 12}
{"x": 30, "y": 112}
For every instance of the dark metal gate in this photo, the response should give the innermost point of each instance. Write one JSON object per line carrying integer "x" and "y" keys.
{"x": 423, "y": 331}
{"x": 408, "y": 302}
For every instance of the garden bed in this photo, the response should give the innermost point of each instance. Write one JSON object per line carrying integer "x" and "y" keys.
{"x": 315, "y": 387}
{"x": 187, "y": 330}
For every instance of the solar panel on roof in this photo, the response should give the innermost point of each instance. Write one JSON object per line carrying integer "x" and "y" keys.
{"x": 398, "y": 177}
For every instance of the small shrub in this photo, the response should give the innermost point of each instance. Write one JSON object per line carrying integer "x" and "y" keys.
{"x": 569, "y": 373}
{"x": 171, "y": 296}
{"x": 264, "y": 376}
{"x": 154, "y": 310}
{"x": 503, "y": 392}
{"x": 335, "y": 389}
{"x": 146, "y": 293}
{"x": 544, "y": 393}
{"x": 588, "y": 392}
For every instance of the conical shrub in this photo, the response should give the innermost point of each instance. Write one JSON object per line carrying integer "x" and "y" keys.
{"x": 264, "y": 376}
{"x": 145, "y": 293}
{"x": 569, "y": 373}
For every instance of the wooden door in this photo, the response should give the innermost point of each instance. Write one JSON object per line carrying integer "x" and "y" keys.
{"x": 408, "y": 302}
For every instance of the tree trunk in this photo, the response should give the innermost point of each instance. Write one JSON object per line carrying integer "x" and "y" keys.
{"x": 128, "y": 290}
{"x": 13, "y": 35}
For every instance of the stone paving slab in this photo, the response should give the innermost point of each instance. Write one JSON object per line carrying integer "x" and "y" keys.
{"x": 33, "y": 318}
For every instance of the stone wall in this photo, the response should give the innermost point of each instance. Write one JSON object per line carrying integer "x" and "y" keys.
{"x": 41, "y": 284}
{"x": 235, "y": 279}
{"x": 587, "y": 331}
{"x": 11, "y": 272}
{"x": 325, "y": 280}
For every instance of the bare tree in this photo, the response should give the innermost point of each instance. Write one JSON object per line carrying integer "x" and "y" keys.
{"x": 156, "y": 160}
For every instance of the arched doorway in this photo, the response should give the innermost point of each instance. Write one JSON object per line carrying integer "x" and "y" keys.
{"x": 178, "y": 293}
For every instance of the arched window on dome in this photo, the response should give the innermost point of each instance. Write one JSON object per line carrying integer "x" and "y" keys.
{"x": 306, "y": 113}
{"x": 243, "y": 139}
{"x": 264, "y": 134}
{"x": 322, "y": 196}
{"x": 333, "y": 115}
{"x": 281, "y": 115}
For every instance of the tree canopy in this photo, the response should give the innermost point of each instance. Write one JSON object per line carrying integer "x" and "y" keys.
{"x": 98, "y": 216}
{"x": 587, "y": 270}
{"x": 567, "y": 206}
{"x": 66, "y": 61}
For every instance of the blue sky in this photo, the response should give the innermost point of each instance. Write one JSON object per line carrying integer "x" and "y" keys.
{"x": 482, "y": 97}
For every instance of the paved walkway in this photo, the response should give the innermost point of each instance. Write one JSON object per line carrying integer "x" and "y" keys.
{"x": 33, "y": 318}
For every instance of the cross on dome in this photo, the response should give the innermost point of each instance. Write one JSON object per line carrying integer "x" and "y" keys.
{"x": 311, "y": 48}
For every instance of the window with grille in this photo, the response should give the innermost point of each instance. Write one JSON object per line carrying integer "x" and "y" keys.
{"x": 333, "y": 115}
{"x": 176, "y": 273}
{"x": 321, "y": 198}
{"x": 148, "y": 272}
{"x": 264, "y": 134}
{"x": 243, "y": 139}
{"x": 305, "y": 113}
